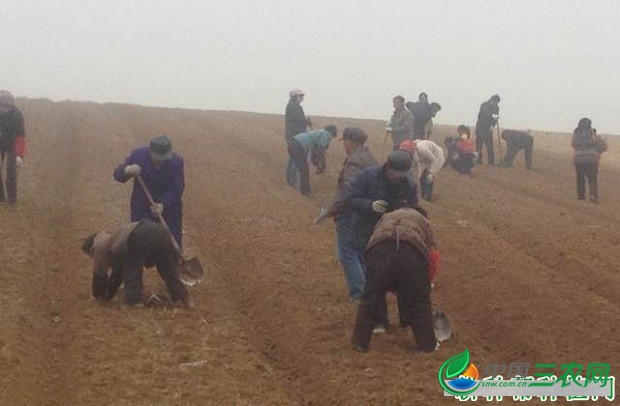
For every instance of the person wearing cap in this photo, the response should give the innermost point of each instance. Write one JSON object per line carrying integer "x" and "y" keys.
{"x": 517, "y": 141}
{"x": 374, "y": 192}
{"x": 316, "y": 141}
{"x": 403, "y": 256}
{"x": 163, "y": 173}
{"x": 295, "y": 122}
{"x": 401, "y": 124}
{"x": 12, "y": 144}
{"x": 487, "y": 119}
{"x": 358, "y": 158}
{"x": 120, "y": 256}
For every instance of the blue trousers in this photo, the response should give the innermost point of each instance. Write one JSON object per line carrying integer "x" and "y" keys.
{"x": 350, "y": 257}
{"x": 292, "y": 173}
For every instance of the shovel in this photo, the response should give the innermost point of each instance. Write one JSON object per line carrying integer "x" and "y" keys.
{"x": 191, "y": 271}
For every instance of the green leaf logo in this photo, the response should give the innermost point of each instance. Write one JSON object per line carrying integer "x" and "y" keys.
{"x": 452, "y": 369}
{"x": 456, "y": 365}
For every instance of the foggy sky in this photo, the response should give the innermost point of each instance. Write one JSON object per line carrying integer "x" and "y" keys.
{"x": 552, "y": 62}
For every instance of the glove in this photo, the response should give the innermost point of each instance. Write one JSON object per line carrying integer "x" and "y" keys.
{"x": 389, "y": 129}
{"x": 379, "y": 206}
{"x": 430, "y": 177}
{"x": 19, "y": 161}
{"x": 157, "y": 209}
{"x": 434, "y": 264}
{"x": 133, "y": 170}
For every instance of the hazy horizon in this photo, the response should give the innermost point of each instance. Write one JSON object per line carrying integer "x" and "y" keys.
{"x": 552, "y": 62}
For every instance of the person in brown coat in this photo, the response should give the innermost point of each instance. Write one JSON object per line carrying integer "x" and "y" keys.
{"x": 119, "y": 258}
{"x": 358, "y": 158}
{"x": 588, "y": 149}
{"x": 402, "y": 255}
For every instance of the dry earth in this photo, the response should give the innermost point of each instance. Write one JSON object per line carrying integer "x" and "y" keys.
{"x": 530, "y": 273}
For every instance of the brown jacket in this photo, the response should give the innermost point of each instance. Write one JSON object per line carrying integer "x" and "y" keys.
{"x": 360, "y": 158}
{"x": 405, "y": 225}
{"x": 109, "y": 248}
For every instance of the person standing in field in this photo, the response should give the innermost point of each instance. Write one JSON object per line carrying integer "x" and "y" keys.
{"x": 12, "y": 144}
{"x": 401, "y": 124}
{"x": 358, "y": 158}
{"x": 421, "y": 111}
{"x": 295, "y": 122}
{"x": 428, "y": 129}
{"x": 163, "y": 172}
{"x": 487, "y": 119}
{"x": 588, "y": 149}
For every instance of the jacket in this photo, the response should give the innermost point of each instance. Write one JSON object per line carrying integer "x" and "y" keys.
{"x": 373, "y": 184}
{"x": 517, "y": 138}
{"x": 402, "y": 125}
{"x": 405, "y": 225}
{"x": 165, "y": 183}
{"x": 295, "y": 120}
{"x": 485, "y": 116}
{"x": 584, "y": 144}
{"x": 109, "y": 249}
{"x": 319, "y": 139}
{"x": 359, "y": 159}
{"x": 12, "y": 130}
{"x": 430, "y": 156}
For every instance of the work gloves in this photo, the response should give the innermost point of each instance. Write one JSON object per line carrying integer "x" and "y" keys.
{"x": 157, "y": 209}
{"x": 380, "y": 206}
{"x": 430, "y": 177}
{"x": 133, "y": 170}
{"x": 19, "y": 161}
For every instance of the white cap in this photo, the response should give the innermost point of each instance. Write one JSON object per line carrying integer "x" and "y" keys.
{"x": 295, "y": 92}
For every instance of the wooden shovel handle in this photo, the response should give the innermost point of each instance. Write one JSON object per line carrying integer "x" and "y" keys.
{"x": 149, "y": 197}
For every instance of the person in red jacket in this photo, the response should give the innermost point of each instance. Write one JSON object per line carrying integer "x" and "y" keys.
{"x": 12, "y": 144}
{"x": 402, "y": 255}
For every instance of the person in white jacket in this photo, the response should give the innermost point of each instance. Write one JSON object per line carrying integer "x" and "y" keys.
{"x": 430, "y": 160}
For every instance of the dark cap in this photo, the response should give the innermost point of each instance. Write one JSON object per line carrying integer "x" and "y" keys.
{"x": 400, "y": 162}
{"x": 354, "y": 134}
{"x": 161, "y": 147}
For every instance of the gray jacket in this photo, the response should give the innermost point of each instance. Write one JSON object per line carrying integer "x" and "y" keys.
{"x": 584, "y": 144}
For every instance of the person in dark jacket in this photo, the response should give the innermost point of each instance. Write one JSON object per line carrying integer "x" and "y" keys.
{"x": 163, "y": 173}
{"x": 119, "y": 258}
{"x": 358, "y": 158}
{"x": 517, "y": 141}
{"x": 12, "y": 144}
{"x": 295, "y": 122}
{"x": 487, "y": 119}
{"x": 402, "y": 256}
{"x": 421, "y": 111}
{"x": 374, "y": 192}
{"x": 586, "y": 159}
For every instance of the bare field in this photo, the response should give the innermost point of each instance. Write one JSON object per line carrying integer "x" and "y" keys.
{"x": 530, "y": 273}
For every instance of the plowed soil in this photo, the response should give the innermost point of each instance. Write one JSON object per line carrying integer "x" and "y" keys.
{"x": 530, "y": 273}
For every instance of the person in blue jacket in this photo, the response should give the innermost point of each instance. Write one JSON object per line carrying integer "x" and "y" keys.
{"x": 374, "y": 192}
{"x": 163, "y": 173}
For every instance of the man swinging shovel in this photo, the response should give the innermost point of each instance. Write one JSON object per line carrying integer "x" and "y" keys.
{"x": 157, "y": 193}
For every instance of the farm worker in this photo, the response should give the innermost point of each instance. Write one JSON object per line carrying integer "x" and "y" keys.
{"x": 487, "y": 119}
{"x": 421, "y": 111}
{"x": 301, "y": 145}
{"x": 428, "y": 129}
{"x": 517, "y": 141}
{"x": 430, "y": 159}
{"x": 295, "y": 122}
{"x": 402, "y": 256}
{"x": 461, "y": 150}
{"x": 588, "y": 149}
{"x": 401, "y": 124}
{"x": 12, "y": 144}
{"x": 163, "y": 173}
{"x": 119, "y": 258}
{"x": 358, "y": 158}
{"x": 374, "y": 192}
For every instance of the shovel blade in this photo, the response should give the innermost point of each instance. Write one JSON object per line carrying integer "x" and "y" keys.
{"x": 191, "y": 271}
{"x": 443, "y": 327}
